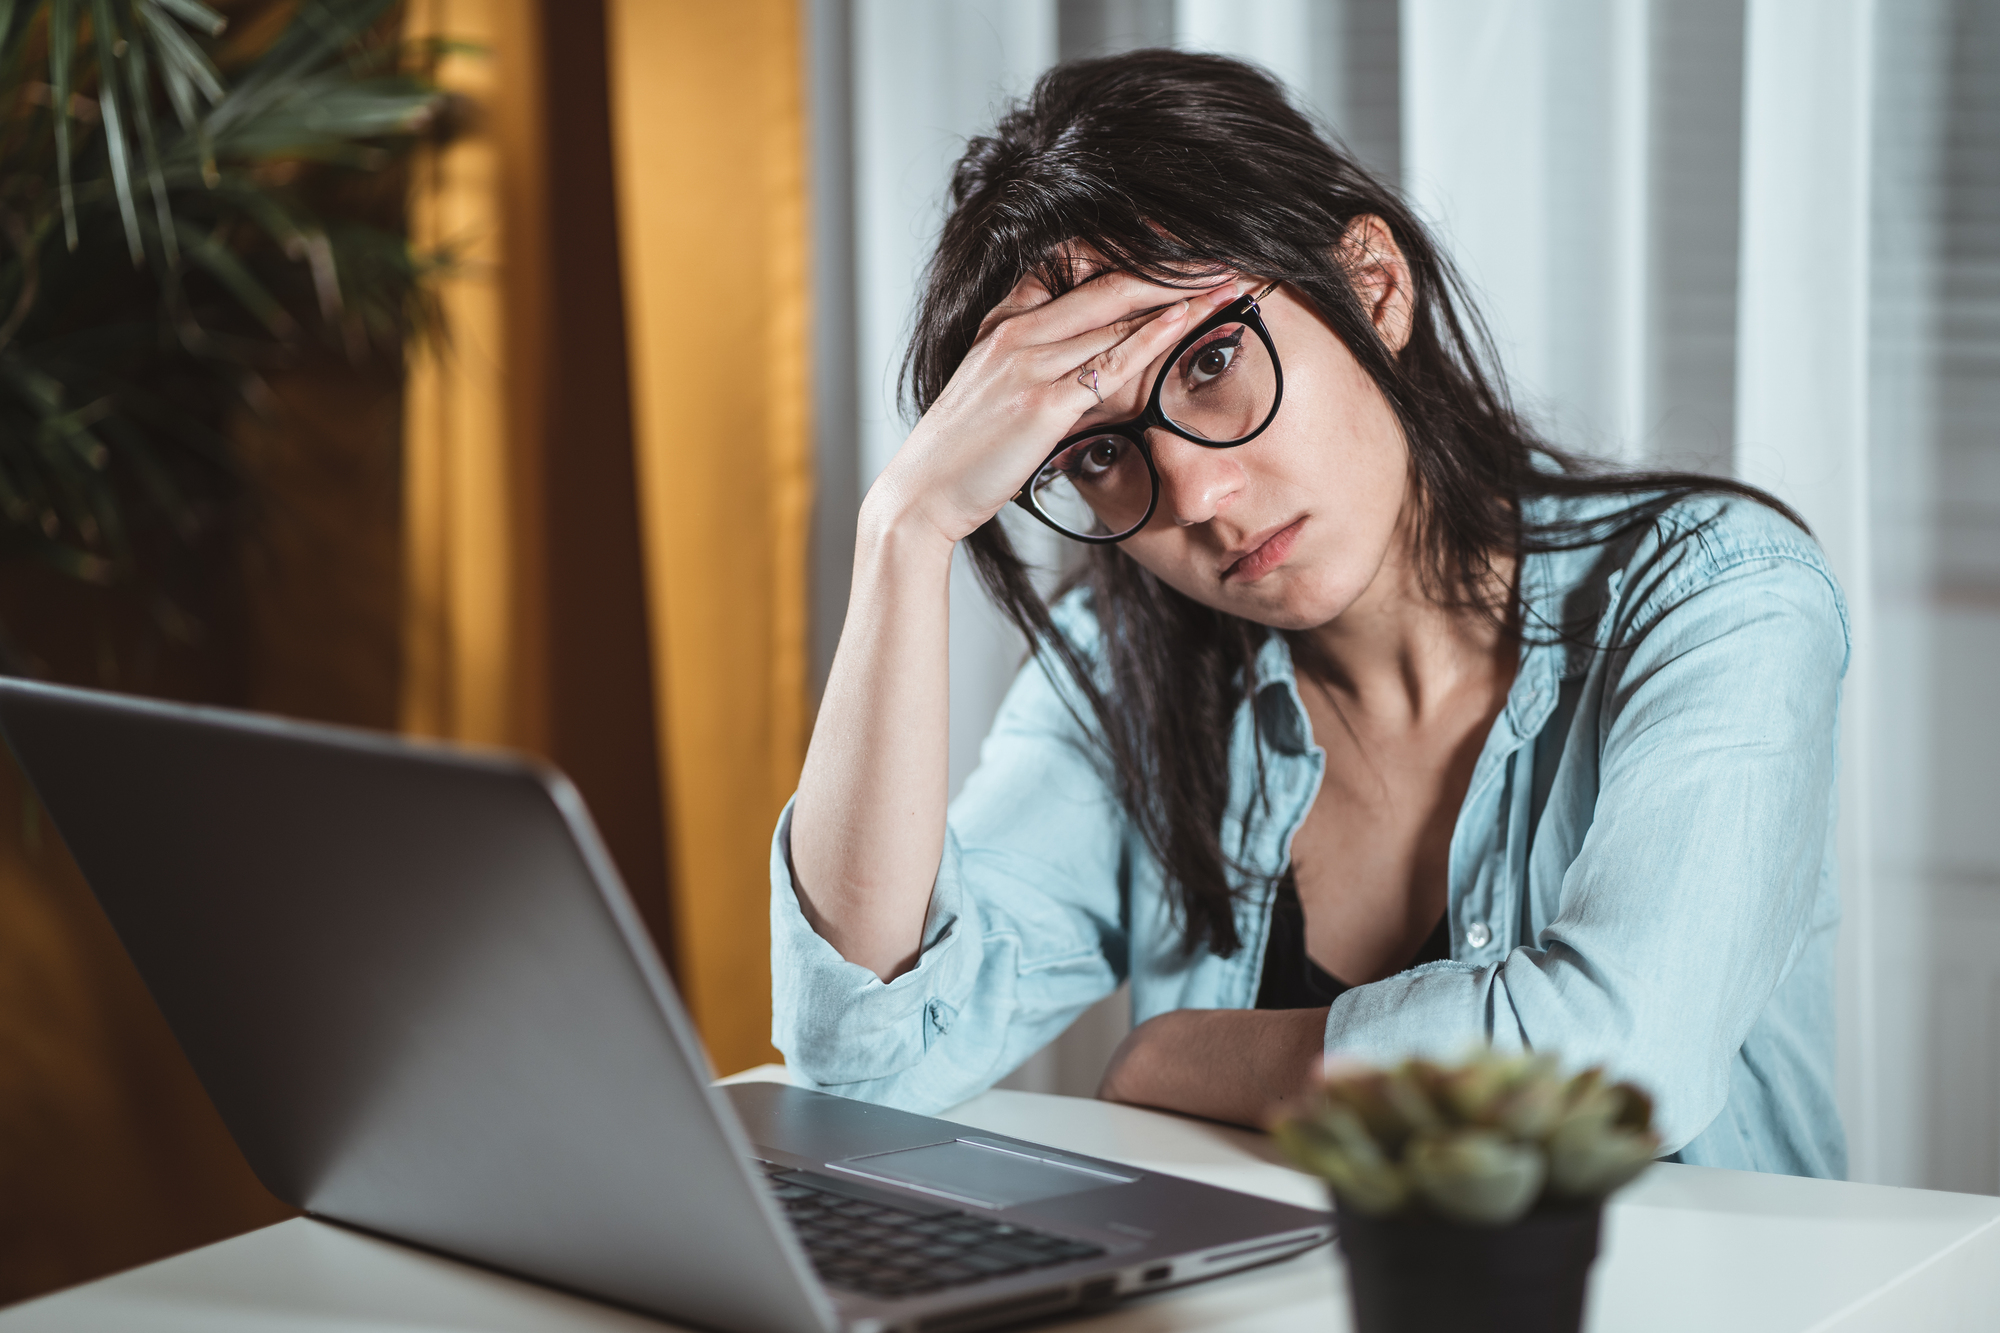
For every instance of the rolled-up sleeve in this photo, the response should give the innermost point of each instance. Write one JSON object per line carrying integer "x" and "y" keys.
{"x": 1704, "y": 869}
{"x": 1025, "y": 929}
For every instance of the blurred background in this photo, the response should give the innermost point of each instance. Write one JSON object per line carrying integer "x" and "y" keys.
{"x": 510, "y": 371}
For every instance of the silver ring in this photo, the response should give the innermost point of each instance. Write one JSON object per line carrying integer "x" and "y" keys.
{"x": 1091, "y": 383}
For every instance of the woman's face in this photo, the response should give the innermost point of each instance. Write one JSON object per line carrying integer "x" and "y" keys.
{"x": 1290, "y": 529}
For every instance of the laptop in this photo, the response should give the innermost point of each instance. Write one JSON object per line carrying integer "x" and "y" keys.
{"x": 425, "y": 1006}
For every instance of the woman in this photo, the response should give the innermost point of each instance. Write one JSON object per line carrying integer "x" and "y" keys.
{"x": 1370, "y": 725}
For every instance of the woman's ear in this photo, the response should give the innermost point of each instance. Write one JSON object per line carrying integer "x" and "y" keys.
{"x": 1374, "y": 263}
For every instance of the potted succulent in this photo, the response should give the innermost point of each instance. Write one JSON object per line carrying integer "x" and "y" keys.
{"x": 1469, "y": 1196}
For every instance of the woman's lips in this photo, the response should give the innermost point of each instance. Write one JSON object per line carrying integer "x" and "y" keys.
{"x": 1266, "y": 555}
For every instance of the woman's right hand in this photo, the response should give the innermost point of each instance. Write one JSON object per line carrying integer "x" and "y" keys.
{"x": 868, "y": 827}
{"x": 1018, "y": 392}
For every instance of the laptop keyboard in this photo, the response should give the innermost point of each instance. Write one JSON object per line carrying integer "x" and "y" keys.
{"x": 860, "y": 1244}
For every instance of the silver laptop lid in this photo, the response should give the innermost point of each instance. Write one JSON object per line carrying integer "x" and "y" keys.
{"x": 419, "y": 996}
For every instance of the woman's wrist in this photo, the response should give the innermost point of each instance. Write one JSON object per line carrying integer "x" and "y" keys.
{"x": 896, "y": 523}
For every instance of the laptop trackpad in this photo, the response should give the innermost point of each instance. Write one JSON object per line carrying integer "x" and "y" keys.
{"x": 984, "y": 1173}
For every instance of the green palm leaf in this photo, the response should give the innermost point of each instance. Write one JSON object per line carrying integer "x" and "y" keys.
{"x": 104, "y": 35}
{"x": 62, "y": 59}
{"x": 194, "y": 252}
{"x": 222, "y": 264}
{"x": 138, "y": 85}
{"x": 198, "y": 15}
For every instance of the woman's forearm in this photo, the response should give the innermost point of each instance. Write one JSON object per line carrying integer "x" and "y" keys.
{"x": 868, "y": 824}
{"x": 1238, "y": 1065}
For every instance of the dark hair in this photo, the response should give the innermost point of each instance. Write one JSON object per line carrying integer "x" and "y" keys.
{"x": 1168, "y": 163}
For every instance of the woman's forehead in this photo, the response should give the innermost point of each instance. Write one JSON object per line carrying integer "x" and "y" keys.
{"x": 1076, "y": 261}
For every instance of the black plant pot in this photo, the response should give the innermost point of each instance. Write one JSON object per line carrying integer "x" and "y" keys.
{"x": 1419, "y": 1274}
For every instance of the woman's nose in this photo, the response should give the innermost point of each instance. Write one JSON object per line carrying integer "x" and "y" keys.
{"x": 1196, "y": 483}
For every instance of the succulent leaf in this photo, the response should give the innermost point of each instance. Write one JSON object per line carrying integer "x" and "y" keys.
{"x": 1636, "y": 1110}
{"x": 1603, "y": 1139}
{"x": 1472, "y": 1090}
{"x": 1347, "y": 1159}
{"x": 1374, "y": 1188}
{"x": 1408, "y": 1091}
{"x": 1478, "y": 1142}
{"x": 1587, "y": 1160}
{"x": 1531, "y": 1110}
{"x": 1584, "y": 1087}
{"x": 1519, "y": 1093}
{"x": 1367, "y": 1095}
{"x": 1476, "y": 1175}
{"x": 1591, "y": 1101}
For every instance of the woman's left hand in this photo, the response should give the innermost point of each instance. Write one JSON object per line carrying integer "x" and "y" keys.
{"x": 1244, "y": 1066}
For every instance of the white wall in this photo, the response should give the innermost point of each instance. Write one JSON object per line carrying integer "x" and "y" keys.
{"x": 1578, "y": 158}
{"x": 1339, "y": 58}
{"x": 1934, "y": 514}
{"x": 928, "y": 75}
{"x": 1802, "y": 394}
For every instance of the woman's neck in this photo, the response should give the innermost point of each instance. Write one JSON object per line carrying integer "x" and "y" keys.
{"x": 1399, "y": 658}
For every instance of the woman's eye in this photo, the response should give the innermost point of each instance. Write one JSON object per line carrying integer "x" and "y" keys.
{"x": 1211, "y": 360}
{"x": 1093, "y": 458}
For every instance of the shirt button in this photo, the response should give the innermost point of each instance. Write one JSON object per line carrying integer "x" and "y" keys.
{"x": 1478, "y": 935}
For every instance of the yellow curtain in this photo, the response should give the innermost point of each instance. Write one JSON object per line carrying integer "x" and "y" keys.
{"x": 472, "y": 400}
{"x": 708, "y": 157}
{"x": 709, "y": 151}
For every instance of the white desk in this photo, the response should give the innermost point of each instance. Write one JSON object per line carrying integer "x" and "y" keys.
{"x": 1686, "y": 1249}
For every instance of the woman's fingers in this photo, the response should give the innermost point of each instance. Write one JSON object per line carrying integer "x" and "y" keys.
{"x": 1101, "y": 301}
{"x": 1030, "y": 318}
{"x": 1027, "y": 294}
{"x": 1097, "y": 348}
{"x": 1018, "y": 389}
{"x": 1118, "y": 352}
{"x": 1104, "y": 361}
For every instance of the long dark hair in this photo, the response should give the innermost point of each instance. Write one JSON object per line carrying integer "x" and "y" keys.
{"x": 1168, "y": 163}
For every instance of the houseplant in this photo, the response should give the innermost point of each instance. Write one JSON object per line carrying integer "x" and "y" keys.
{"x": 192, "y": 200}
{"x": 1470, "y": 1196}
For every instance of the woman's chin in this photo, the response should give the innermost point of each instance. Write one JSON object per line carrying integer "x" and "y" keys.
{"x": 1294, "y": 601}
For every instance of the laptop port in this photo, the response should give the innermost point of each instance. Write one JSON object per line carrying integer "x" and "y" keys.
{"x": 1157, "y": 1273}
{"x": 1098, "y": 1290}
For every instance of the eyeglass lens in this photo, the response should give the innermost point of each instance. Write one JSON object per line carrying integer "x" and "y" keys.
{"x": 1220, "y": 391}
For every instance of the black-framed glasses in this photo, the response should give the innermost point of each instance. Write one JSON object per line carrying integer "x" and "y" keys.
{"x": 1219, "y": 389}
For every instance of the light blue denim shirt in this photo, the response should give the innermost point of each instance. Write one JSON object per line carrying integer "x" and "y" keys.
{"x": 1641, "y": 874}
